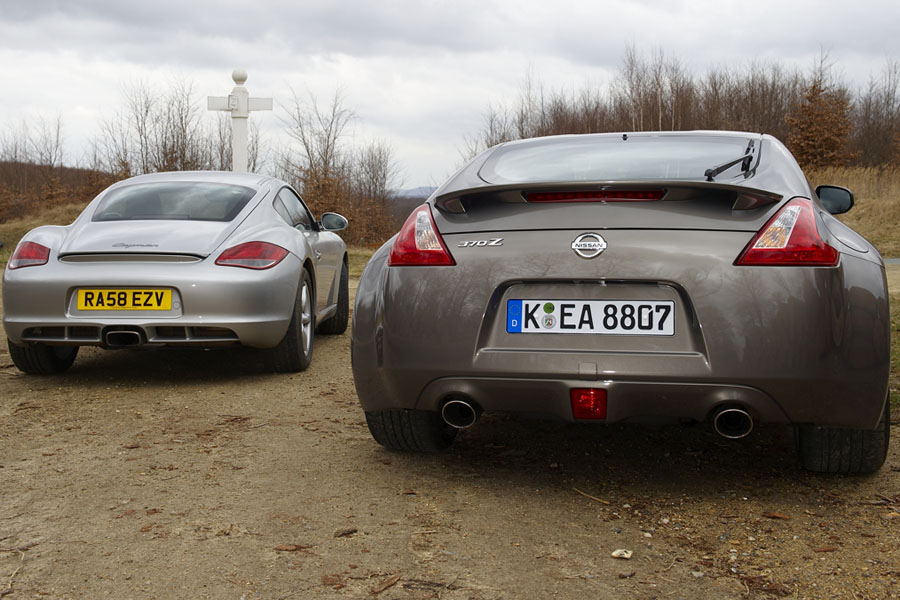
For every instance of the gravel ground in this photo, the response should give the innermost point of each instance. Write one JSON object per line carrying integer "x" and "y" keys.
{"x": 193, "y": 474}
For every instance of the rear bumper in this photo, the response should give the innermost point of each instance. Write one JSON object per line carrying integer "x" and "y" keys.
{"x": 212, "y": 305}
{"x": 791, "y": 345}
{"x": 626, "y": 401}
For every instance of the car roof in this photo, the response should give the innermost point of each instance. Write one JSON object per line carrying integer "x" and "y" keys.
{"x": 253, "y": 180}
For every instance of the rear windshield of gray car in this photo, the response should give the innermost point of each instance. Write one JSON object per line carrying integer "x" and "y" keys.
{"x": 183, "y": 201}
{"x": 592, "y": 158}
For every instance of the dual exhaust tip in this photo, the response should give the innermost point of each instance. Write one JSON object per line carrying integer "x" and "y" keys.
{"x": 731, "y": 422}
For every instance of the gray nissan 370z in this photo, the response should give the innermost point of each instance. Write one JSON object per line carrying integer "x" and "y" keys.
{"x": 691, "y": 276}
{"x": 197, "y": 259}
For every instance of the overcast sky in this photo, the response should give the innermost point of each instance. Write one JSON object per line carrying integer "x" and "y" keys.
{"x": 418, "y": 74}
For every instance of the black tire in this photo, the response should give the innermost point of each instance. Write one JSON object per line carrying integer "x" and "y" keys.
{"x": 41, "y": 359}
{"x": 294, "y": 352}
{"x": 410, "y": 430}
{"x": 843, "y": 450}
{"x": 337, "y": 324}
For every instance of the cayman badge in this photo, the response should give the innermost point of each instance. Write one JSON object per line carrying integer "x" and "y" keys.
{"x": 589, "y": 245}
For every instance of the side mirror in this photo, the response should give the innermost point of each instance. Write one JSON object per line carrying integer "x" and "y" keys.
{"x": 836, "y": 200}
{"x": 333, "y": 222}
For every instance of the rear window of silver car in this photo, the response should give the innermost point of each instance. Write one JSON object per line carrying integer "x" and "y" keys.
{"x": 612, "y": 158}
{"x": 183, "y": 201}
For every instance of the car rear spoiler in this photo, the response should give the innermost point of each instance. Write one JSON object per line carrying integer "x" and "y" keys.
{"x": 740, "y": 197}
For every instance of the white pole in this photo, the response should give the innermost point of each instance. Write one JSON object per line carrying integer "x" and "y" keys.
{"x": 239, "y": 104}
{"x": 239, "y": 114}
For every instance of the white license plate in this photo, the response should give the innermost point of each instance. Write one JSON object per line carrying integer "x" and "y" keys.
{"x": 619, "y": 317}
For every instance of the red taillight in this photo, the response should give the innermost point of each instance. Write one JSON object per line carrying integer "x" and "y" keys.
{"x": 29, "y": 254}
{"x": 588, "y": 403}
{"x": 419, "y": 242}
{"x": 790, "y": 238}
{"x": 252, "y": 255}
{"x": 597, "y": 196}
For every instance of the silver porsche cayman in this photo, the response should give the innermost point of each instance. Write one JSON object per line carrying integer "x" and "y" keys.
{"x": 179, "y": 259}
{"x": 682, "y": 277}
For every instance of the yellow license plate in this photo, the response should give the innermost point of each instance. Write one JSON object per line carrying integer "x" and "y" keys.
{"x": 125, "y": 299}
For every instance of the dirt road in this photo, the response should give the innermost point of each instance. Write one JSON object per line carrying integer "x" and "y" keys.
{"x": 192, "y": 474}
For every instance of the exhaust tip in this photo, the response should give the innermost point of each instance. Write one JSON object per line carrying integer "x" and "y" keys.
{"x": 460, "y": 414}
{"x": 733, "y": 423}
{"x": 122, "y": 338}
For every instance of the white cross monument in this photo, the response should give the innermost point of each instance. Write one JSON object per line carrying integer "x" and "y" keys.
{"x": 239, "y": 104}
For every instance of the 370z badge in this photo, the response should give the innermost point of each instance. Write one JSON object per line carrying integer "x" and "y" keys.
{"x": 480, "y": 243}
{"x": 589, "y": 245}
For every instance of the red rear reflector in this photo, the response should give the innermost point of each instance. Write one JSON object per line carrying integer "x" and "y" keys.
{"x": 419, "y": 242}
{"x": 790, "y": 238}
{"x": 252, "y": 255}
{"x": 597, "y": 196}
{"x": 29, "y": 254}
{"x": 588, "y": 403}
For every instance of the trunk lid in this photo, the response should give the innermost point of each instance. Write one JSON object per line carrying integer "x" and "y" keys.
{"x": 195, "y": 238}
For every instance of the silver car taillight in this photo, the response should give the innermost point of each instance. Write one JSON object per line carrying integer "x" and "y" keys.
{"x": 29, "y": 254}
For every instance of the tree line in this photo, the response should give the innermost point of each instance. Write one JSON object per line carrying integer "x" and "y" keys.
{"x": 821, "y": 118}
{"x": 168, "y": 130}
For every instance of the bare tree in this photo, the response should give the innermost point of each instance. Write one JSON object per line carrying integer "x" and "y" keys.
{"x": 14, "y": 144}
{"x": 45, "y": 142}
{"x": 876, "y": 117}
{"x": 497, "y": 129}
{"x": 657, "y": 74}
{"x": 111, "y": 150}
{"x": 179, "y": 136}
{"x": 319, "y": 131}
{"x": 632, "y": 81}
{"x": 375, "y": 172}
{"x": 161, "y": 131}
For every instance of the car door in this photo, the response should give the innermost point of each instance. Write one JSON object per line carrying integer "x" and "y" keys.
{"x": 325, "y": 246}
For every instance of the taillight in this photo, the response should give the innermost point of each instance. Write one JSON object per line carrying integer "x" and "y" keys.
{"x": 597, "y": 196}
{"x": 252, "y": 255}
{"x": 29, "y": 254}
{"x": 419, "y": 242}
{"x": 790, "y": 238}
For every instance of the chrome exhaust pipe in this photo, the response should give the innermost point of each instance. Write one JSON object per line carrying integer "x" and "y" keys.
{"x": 733, "y": 423}
{"x": 120, "y": 339}
{"x": 459, "y": 413}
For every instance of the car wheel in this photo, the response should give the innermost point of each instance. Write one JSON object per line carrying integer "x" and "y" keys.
{"x": 294, "y": 352}
{"x": 410, "y": 430}
{"x": 337, "y": 324}
{"x": 41, "y": 359}
{"x": 843, "y": 450}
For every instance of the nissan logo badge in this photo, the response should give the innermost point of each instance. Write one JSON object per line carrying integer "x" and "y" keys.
{"x": 589, "y": 245}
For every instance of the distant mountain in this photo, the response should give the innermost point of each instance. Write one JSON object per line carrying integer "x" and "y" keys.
{"x": 418, "y": 192}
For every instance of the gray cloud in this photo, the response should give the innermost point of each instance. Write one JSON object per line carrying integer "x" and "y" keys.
{"x": 421, "y": 72}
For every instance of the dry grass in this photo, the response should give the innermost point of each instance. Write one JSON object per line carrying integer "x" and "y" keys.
{"x": 358, "y": 257}
{"x": 893, "y": 279}
{"x": 895, "y": 351}
{"x": 12, "y": 231}
{"x": 876, "y": 214}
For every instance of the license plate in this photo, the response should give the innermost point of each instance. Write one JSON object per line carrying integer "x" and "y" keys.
{"x": 619, "y": 317}
{"x": 124, "y": 299}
